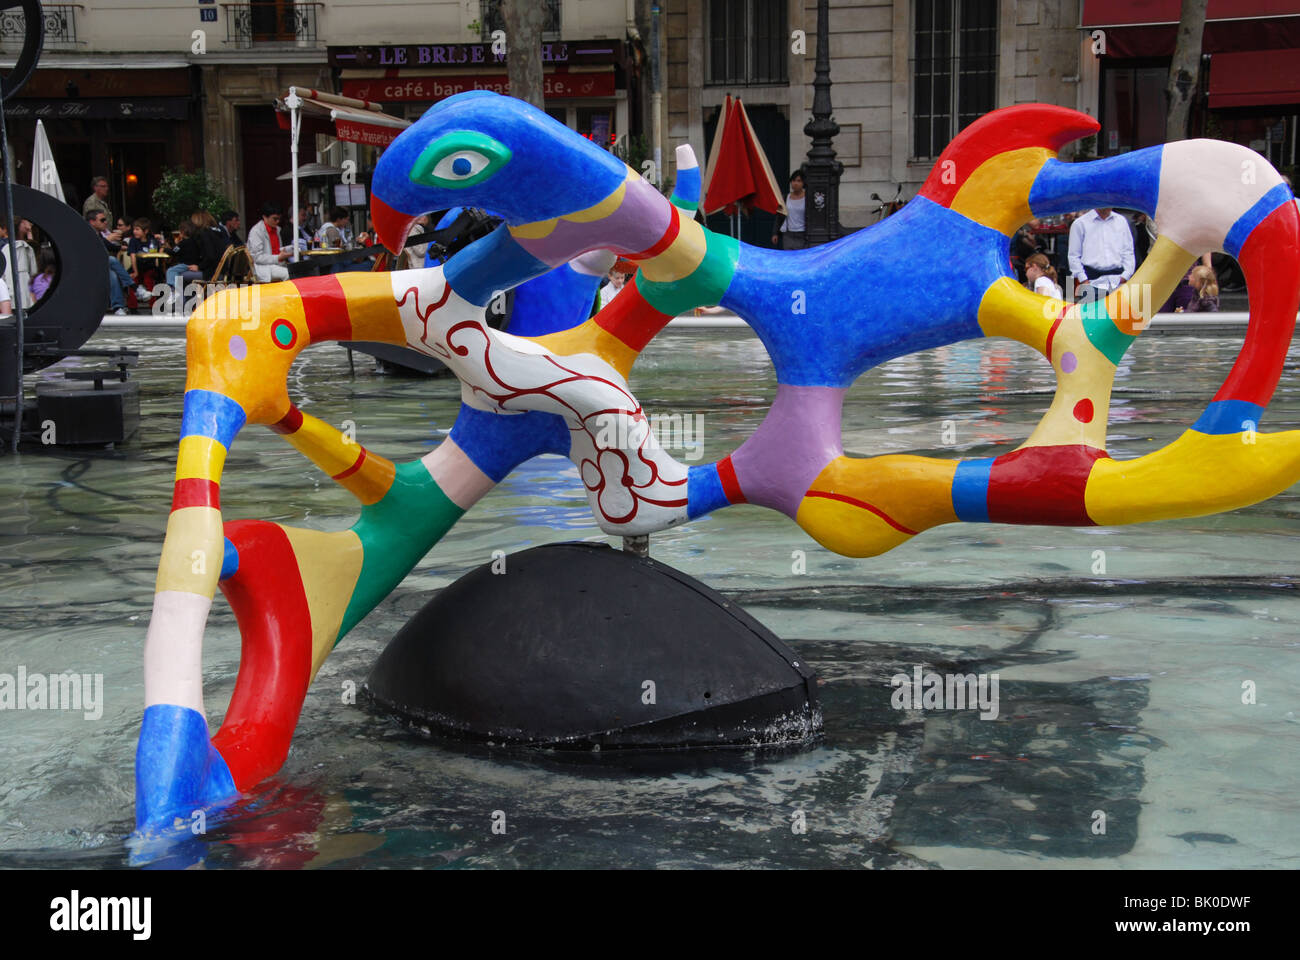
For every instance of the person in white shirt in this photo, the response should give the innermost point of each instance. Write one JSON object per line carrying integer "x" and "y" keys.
{"x": 264, "y": 246}
{"x": 791, "y": 235}
{"x": 26, "y": 262}
{"x": 617, "y": 279}
{"x": 6, "y": 305}
{"x": 1101, "y": 251}
{"x": 336, "y": 232}
{"x": 1042, "y": 276}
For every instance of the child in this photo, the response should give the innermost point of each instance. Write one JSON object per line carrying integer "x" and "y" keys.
{"x": 1206, "y": 285}
{"x": 617, "y": 278}
{"x": 41, "y": 282}
{"x": 1040, "y": 272}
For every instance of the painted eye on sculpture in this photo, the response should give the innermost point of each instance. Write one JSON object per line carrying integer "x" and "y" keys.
{"x": 459, "y": 159}
{"x": 460, "y": 166}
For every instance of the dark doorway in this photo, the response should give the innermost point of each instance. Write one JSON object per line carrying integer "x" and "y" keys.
{"x": 772, "y": 128}
{"x": 134, "y": 169}
{"x": 266, "y": 156}
{"x": 1132, "y": 105}
{"x": 73, "y": 160}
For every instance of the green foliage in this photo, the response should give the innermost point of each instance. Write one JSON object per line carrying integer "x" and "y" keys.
{"x": 1087, "y": 148}
{"x": 632, "y": 150}
{"x": 180, "y": 192}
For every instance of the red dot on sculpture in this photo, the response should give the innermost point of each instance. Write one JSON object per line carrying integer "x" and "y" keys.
{"x": 1083, "y": 411}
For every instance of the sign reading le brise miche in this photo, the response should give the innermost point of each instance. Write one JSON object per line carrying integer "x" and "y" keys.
{"x": 470, "y": 54}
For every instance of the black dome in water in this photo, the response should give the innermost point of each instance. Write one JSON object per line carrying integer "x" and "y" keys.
{"x": 578, "y": 645}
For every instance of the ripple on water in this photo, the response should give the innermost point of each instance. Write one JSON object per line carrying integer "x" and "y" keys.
{"x": 1120, "y": 689}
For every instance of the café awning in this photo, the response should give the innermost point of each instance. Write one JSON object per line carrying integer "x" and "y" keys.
{"x": 1254, "y": 78}
{"x": 343, "y": 118}
{"x": 302, "y": 109}
{"x": 1149, "y": 28}
{"x": 1110, "y": 13}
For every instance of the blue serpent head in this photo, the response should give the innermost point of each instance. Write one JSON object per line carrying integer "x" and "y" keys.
{"x": 481, "y": 149}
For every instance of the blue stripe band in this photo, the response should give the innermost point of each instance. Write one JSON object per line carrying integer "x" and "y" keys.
{"x": 1229, "y": 416}
{"x": 497, "y": 443}
{"x": 1253, "y": 217}
{"x": 704, "y": 490}
{"x": 211, "y": 414}
{"x": 970, "y": 490}
{"x": 687, "y": 188}
{"x": 491, "y": 265}
{"x": 1129, "y": 180}
{"x": 177, "y": 769}
{"x": 229, "y": 561}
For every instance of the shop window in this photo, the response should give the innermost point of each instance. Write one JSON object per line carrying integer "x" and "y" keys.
{"x": 747, "y": 42}
{"x": 597, "y": 124}
{"x": 1271, "y": 131}
{"x": 1132, "y": 107}
{"x": 493, "y": 18}
{"x": 954, "y": 69}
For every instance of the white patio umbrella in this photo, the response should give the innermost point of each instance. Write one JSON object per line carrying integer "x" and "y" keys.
{"x": 45, "y": 175}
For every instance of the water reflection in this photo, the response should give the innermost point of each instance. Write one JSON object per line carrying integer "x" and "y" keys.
{"x": 1121, "y": 692}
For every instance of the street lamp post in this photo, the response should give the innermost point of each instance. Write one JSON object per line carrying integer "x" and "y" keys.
{"x": 821, "y": 170}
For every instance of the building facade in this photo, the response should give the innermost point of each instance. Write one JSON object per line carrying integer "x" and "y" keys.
{"x": 129, "y": 87}
{"x": 906, "y": 74}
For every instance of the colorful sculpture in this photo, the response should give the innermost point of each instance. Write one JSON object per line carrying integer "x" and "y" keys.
{"x": 297, "y": 592}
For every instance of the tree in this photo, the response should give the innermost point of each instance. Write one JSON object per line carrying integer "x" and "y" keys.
{"x": 181, "y": 192}
{"x": 525, "y": 20}
{"x": 1185, "y": 70}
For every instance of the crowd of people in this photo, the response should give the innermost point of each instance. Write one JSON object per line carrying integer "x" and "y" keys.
{"x": 196, "y": 248}
{"x": 1104, "y": 250}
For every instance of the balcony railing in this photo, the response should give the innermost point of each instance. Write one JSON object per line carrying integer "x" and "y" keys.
{"x": 60, "y": 25}
{"x": 271, "y": 22}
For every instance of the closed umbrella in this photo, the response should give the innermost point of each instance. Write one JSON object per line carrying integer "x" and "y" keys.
{"x": 737, "y": 174}
{"x": 45, "y": 175}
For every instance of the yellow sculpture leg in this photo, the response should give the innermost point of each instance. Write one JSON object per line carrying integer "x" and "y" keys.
{"x": 865, "y": 507}
{"x": 330, "y": 564}
{"x": 1196, "y": 475}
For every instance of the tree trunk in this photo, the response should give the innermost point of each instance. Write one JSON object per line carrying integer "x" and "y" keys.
{"x": 525, "y": 20}
{"x": 1184, "y": 71}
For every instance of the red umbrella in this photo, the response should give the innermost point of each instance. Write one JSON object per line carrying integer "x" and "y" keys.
{"x": 738, "y": 173}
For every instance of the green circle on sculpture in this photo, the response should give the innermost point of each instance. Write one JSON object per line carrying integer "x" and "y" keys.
{"x": 283, "y": 333}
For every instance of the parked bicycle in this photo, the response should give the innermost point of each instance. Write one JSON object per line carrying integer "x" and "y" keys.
{"x": 888, "y": 207}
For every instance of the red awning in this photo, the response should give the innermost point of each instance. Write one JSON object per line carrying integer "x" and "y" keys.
{"x": 1112, "y": 13}
{"x": 344, "y": 118}
{"x": 1254, "y": 78}
{"x": 1149, "y": 28}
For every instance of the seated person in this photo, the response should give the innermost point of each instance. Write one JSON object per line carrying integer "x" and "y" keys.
{"x": 264, "y": 246}
{"x": 143, "y": 240}
{"x": 41, "y": 282}
{"x": 187, "y": 254}
{"x": 119, "y": 281}
{"x": 337, "y": 231}
{"x": 228, "y": 226}
{"x": 1205, "y": 287}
